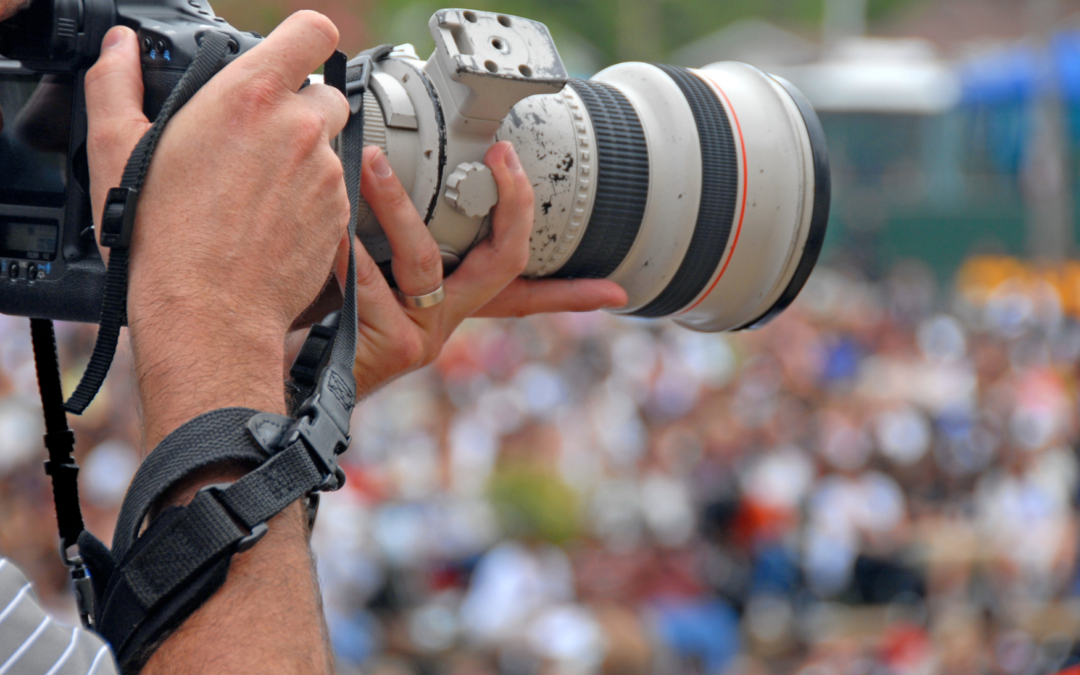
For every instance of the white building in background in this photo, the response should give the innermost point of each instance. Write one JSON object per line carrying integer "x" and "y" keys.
{"x": 751, "y": 41}
{"x": 904, "y": 76}
{"x": 855, "y": 74}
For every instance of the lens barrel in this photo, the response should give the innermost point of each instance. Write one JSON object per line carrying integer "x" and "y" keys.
{"x": 704, "y": 193}
{"x": 706, "y": 196}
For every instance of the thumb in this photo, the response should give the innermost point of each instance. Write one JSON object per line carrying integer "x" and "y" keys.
{"x": 114, "y": 102}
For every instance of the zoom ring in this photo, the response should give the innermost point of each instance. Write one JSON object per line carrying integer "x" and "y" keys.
{"x": 719, "y": 193}
{"x": 622, "y": 183}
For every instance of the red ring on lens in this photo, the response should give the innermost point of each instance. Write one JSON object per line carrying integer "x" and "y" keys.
{"x": 742, "y": 213}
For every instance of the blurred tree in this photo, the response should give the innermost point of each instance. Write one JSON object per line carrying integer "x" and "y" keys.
{"x": 534, "y": 504}
{"x": 608, "y": 30}
{"x": 622, "y": 30}
{"x": 350, "y": 16}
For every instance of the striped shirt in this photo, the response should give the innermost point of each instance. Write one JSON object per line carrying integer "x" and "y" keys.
{"x": 31, "y": 644}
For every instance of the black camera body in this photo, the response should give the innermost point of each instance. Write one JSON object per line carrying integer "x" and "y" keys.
{"x": 49, "y": 262}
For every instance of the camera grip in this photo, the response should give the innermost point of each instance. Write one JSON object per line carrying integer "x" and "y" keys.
{"x": 158, "y": 83}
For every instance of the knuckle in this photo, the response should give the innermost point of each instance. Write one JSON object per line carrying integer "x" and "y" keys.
{"x": 344, "y": 207}
{"x": 429, "y": 259}
{"x": 336, "y": 103}
{"x": 512, "y": 260}
{"x": 114, "y": 135}
{"x": 411, "y": 351}
{"x": 107, "y": 63}
{"x": 97, "y": 71}
{"x": 260, "y": 91}
{"x": 334, "y": 172}
{"x": 367, "y": 274}
{"x": 101, "y": 137}
{"x": 308, "y": 127}
{"x": 514, "y": 264}
{"x": 342, "y": 102}
{"x": 399, "y": 201}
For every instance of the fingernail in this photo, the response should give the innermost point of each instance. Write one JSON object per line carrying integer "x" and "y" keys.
{"x": 381, "y": 166}
{"x": 512, "y": 161}
{"x": 113, "y": 38}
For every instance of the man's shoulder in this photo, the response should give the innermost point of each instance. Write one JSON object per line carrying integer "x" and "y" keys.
{"x": 31, "y": 643}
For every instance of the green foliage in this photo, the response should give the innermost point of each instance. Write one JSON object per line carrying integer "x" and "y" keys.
{"x": 621, "y": 29}
{"x": 618, "y": 30}
{"x": 350, "y": 16}
{"x": 880, "y": 9}
{"x": 535, "y": 504}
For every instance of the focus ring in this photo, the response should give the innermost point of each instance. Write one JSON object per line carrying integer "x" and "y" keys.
{"x": 374, "y": 134}
{"x": 719, "y": 194}
{"x": 622, "y": 188}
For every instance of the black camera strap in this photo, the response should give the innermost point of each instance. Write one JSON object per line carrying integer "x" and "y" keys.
{"x": 150, "y": 582}
{"x": 59, "y": 439}
{"x": 61, "y": 466}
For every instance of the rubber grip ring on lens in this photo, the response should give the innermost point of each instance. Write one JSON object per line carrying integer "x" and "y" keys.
{"x": 622, "y": 184}
{"x": 719, "y": 195}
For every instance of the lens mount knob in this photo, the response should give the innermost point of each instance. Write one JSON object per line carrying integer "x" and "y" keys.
{"x": 471, "y": 190}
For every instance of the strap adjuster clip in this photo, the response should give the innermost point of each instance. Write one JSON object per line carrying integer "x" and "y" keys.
{"x": 118, "y": 218}
{"x": 248, "y": 542}
{"x": 324, "y": 423}
{"x": 256, "y": 533}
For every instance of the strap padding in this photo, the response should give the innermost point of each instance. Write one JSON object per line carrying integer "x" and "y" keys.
{"x": 215, "y": 438}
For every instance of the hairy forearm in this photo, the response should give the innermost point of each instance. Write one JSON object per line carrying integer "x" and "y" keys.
{"x": 267, "y": 617}
{"x": 185, "y": 367}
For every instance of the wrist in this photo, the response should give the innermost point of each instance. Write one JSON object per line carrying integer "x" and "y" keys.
{"x": 189, "y": 363}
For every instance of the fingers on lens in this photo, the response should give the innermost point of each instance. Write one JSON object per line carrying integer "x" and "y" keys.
{"x": 371, "y": 285}
{"x": 417, "y": 260}
{"x": 420, "y": 265}
{"x": 524, "y": 297}
{"x": 513, "y": 217}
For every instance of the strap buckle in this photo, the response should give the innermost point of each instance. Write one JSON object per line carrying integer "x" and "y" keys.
{"x": 314, "y": 355}
{"x": 81, "y": 583}
{"x": 118, "y": 218}
{"x": 366, "y": 60}
{"x": 324, "y": 422}
{"x": 254, "y": 535}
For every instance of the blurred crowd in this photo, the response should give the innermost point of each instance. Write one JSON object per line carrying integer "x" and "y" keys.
{"x": 883, "y": 481}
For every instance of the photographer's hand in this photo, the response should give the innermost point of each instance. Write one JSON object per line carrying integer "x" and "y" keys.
{"x": 395, "y": 340}
{"x": 8, "y": 8}
{"x": 238, "y": 221}
{"x": 237, "y": 227}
